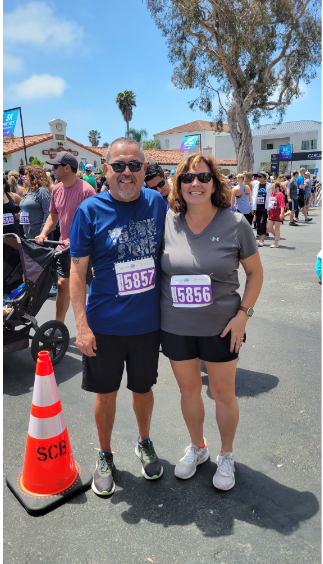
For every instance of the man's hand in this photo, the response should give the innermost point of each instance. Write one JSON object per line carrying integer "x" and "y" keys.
{"x": 66, "y": 242}
{"x": 289, "y": 199}
{"x": 85, "y": 340}
{"x": 40, "y": 239}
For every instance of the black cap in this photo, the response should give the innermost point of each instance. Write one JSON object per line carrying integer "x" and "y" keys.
{"x": 64, "y": 158}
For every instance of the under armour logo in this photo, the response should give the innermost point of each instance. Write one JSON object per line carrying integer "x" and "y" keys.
{"x": 215, "y": 239}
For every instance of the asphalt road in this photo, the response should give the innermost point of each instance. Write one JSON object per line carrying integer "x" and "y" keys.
{"x": 272, "y": 514}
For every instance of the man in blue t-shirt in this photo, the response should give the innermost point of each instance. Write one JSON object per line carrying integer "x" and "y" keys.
{"x": 121, "y": 230}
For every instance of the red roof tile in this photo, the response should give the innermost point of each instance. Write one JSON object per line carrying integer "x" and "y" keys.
{"x": 196, "y": 125}
{"x": 13, "y": 144}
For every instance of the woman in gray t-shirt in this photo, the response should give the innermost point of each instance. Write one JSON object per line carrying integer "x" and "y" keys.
{"x": 202, "y": 314}
{"x": 35, "y": 202}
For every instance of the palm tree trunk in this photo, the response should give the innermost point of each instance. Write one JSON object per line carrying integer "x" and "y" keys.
{"x": 127, "y": 128}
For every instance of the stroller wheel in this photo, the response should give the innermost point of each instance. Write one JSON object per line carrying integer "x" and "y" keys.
{"x": 52, "y": 336}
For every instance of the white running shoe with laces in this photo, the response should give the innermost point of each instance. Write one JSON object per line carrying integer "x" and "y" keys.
{"x": 223, "y": 478}
{"x": 194, "y": 456}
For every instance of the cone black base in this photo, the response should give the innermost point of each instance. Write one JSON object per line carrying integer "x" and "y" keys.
{"x": 36, "y": 504}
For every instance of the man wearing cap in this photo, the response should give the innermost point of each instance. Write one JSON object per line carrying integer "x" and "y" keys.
{"x": 87, "y": 176}
{"x": 156, "y": 180}
{"x": 65, "y": 198}
{"x": 121, "y": 230}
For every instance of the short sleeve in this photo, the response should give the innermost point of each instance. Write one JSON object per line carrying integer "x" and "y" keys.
{"x": 246, "y": 240}
{"x": 52, "y": 207}
{"x": 281, "y": 200}
{"x": 81, "y": 234}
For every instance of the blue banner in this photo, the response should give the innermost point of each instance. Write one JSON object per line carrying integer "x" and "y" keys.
{"x": 285, "y": 152}
{"x": 189, "y": 142}
{"x": 9, "y": 122}
{"x": 83, "y": 163}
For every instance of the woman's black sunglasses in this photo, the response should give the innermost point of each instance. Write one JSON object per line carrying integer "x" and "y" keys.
{"x": 188, "y": 177}
{"x": 134, "y": 166}
{"x": 159, "y": 185}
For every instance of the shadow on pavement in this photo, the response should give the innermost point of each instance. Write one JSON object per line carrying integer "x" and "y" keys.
{"x": 248, "y": 383}
{"x": 256, "y": 499}
{"x": 19, "y": 371}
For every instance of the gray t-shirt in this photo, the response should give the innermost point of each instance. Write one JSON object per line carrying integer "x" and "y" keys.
{"x": 36, "y": 204}
{"x": 293, "y": 187}
{"x": 215, "y": 252}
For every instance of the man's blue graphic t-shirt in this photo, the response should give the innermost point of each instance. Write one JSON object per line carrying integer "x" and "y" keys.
{"x": 113, "y": 233}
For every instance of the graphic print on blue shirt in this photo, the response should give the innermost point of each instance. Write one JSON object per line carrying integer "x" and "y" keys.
{"x": 113, "y": 231}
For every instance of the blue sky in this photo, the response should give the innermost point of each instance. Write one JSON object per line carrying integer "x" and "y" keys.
{"x": 69, "y": 60}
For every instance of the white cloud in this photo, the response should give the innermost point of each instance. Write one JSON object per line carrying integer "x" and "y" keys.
{"x": 12, "y": 64}
{"x": 37, "y": 86}
{"x": 35, "y": 23}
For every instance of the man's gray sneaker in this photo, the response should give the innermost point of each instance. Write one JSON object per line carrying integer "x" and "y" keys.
{"x": 103, "y": 483}
{"x": 151, "y": 465}
{"x": 194, "y": 456}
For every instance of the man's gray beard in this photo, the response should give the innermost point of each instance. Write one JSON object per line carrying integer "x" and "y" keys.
{"x": 128, "y": 195}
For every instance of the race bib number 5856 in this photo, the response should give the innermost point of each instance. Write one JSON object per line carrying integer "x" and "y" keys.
{"x": 191, "y": 290}
{"x": 135, "y": 276}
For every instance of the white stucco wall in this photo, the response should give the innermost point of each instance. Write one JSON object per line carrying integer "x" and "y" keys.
{"x": 13, "y": 160}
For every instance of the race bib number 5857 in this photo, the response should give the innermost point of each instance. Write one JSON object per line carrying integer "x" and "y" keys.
{"x": 135, "y": 276}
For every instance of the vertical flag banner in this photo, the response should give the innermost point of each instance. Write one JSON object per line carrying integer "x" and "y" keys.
{"x": 9, "y": 122}
{"x": 285, "y": 152}
{"x": 83, "y": 163}
{"x": 189, "y": 142}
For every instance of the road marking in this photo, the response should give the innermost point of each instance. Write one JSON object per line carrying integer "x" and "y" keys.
{"x": 73, "y": 355}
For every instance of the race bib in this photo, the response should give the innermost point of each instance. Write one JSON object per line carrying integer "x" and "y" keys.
{"x": 8, "y": 219}
{"x": 191, "y": 290}
{"x": 24, "y": 218}
{"x": 135, "y": 276}
{"x": 261, "y": 199}
{"x": 272, "y": 203}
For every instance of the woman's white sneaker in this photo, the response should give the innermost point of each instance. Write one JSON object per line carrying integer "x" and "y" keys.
{"x": 194, "y": 456}
{"x": 223, "y": 478}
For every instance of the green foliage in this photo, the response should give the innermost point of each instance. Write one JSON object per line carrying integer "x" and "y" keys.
{"x": 126, "y": 100}
{"x": 137, "y": 134}
{"x": 151, "y": 144}
{"x": 35, "y": 161}
{"x": 105, "y": 144}
{"x": 101, "y": 171}
{"x": 94, "y": 137}
{"x": 247, "y": 57}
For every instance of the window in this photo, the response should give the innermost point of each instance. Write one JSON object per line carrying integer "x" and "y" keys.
{"x": 309, "y": 145}
{"x": 270, "y": 146}
{"x": 167, "y": 143}
{"x": 309, "y": 168}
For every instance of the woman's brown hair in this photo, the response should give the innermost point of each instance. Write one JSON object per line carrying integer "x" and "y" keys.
{"x": 36, "y": 178}
{"x": 221, "y": 197}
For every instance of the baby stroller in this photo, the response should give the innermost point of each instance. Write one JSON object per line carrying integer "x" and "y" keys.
{"x": 31, "y": 266}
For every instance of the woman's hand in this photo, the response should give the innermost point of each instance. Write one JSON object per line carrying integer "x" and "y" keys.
{"x": 237, "y": 326}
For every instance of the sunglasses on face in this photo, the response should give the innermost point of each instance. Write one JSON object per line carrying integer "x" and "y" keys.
{"x": 57, "y": 165}
{"x": 134, "y": 166}
{"x": 159, "y": 185}
{"x": 188, "y": 177}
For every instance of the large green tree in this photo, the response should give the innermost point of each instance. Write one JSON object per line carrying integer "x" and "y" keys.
{"x": 249, "y": 55}
{"x": 137, "y": 134}
{"x": 126, "y": 100}
{"x": 94, "y": 137}
{"x": 151, "y": 144}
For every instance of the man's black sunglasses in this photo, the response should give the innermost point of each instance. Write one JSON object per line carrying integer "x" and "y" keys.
{"x": 55, "y": 166}
{"x": 120, "y": 166}
{"x": 188, "y": 177}
{"x": 159, "y": 185}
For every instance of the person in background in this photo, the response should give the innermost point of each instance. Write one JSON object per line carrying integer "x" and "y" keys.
{"x": 21, "y": 180}
{"x": 155, "y": 180}
{"x": 79, "y": 174}
{"x": 65, "y": 199}
{"x": 35, "y": 202}
{"x": 313, "y": 191}
{"x": 10, "y": 216}
{"x": 301, "y": 201}
{"x": 259, "y": 203}
{"x": 276, "y": 213}
{"x": 88, "y": 176}
{"x": 13, "y": 177}
{"x": 171, "y": 176}
{"x": 242, "y": 195}
{"x": 308, "y": 191}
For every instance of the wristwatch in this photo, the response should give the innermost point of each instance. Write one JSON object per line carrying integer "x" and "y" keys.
{"x": 247, "y": 310}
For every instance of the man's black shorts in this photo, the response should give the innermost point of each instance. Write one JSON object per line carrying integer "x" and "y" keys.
{"x": 63, "y": 267}
{"x": 293, "y": 205}
{"x": 211, "y": 349}
{"x": 102, "y": 373}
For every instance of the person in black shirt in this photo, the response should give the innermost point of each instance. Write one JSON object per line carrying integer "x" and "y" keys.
{"x": 10, "y": 203}
{"x": 155, "y": 180}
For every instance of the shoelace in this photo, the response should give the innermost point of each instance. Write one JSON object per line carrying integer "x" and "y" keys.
{"x": 190, "y": 455}
{"x": 148, "y": 450}
{"x": 225, "y": 461}
{"x": 105, "y": 465}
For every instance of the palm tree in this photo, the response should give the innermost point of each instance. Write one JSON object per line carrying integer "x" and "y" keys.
{"x": 151, "y": 144}
{"x": 94, "y": 137}
{"x": 105, "y": 144}
{"x": 137, "y": 134}
{"x": 126, "y": 100}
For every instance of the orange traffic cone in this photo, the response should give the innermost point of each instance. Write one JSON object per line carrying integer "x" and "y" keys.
{"x": 49, "y": 473}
